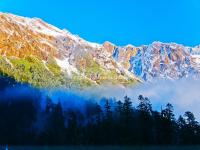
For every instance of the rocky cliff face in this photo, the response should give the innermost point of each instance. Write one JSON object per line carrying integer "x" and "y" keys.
{"x": 33, "y": 51}
{"x": 36, "y": 52}
{"x": 159, "y": 60}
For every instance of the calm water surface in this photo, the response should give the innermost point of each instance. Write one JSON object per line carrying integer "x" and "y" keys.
{"x": 99, "y": 148}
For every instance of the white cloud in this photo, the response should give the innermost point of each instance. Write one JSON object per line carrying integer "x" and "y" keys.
{"x": 184, "y": 94}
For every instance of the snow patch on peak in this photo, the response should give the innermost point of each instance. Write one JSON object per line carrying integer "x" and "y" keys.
{"x": 35, "y": 24}
{"x": 129, "y": 45}
{"x": 94, "y": 45}
{"x": 74, "y": 37}
{"x": 77, "y": 39}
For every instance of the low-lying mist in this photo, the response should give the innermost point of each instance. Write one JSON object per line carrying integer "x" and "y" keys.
{"x": 183, "y": 94}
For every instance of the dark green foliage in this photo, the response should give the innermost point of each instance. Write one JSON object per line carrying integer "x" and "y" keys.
{"x": 118, "y": 123}
{"x": 32, "y": 70}
{"x": 98, "y": 112}
{"x": 17, "y": 122}
{"x": 168, "y": 113}
{"x": 189, "y": 129}
{"x": 169, "y": 125}
{"x": 108, "y": 111}
{"x": 144, "y": 105}
{"x": 127, "y": 110}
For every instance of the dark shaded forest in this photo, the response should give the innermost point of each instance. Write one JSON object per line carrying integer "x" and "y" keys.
{"x": 23, "y": 121}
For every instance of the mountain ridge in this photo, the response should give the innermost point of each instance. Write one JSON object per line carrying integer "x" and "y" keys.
{"x": 57, "y": 50}
{"x": 36, "y": 52}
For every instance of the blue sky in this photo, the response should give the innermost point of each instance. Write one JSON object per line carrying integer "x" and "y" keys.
{"x": 122, "y": 22}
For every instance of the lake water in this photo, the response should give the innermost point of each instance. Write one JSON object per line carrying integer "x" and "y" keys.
{"x": 100, "y": 148}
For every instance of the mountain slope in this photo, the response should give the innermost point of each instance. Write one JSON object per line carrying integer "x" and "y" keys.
{"x": 35, "y": 52}
{"x": 159, "y": 60}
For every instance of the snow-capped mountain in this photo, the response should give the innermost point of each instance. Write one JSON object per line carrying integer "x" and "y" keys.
{"x": 36, "y": 52}
{"x": 41, "y": 54}
{"x": 159, "y": 60}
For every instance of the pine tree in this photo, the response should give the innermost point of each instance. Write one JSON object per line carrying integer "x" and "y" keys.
{"x": 190, "y": 119}
{"x": 49, "y": 105}
{"x": 145, "y": 120}
{"x": 55, "y": 127}
{"x": 192, "y": 129}
{"x": 144, "y": 105}
{"x": 98, "y": 113}
{"x": 168, "y": 112}
{"x": 127, "y": 110}
{"x": 108, "y": 111}
{"x": 170, "y": 129}
{"x": 72, "y": 128}
{"x": 119, "y": 110}
{"x": 119, "y": 106}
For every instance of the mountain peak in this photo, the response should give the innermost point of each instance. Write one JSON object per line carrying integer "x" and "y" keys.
{"x": 60, "y": 55}
{"x": 37, "y": 52}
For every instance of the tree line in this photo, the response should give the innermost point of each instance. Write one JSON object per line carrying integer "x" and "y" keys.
{"x": 24, "y": 122}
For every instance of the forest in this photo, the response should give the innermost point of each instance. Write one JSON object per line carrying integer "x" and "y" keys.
{"x": 29, "y": 118}
{"x": 24, "y": 122}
